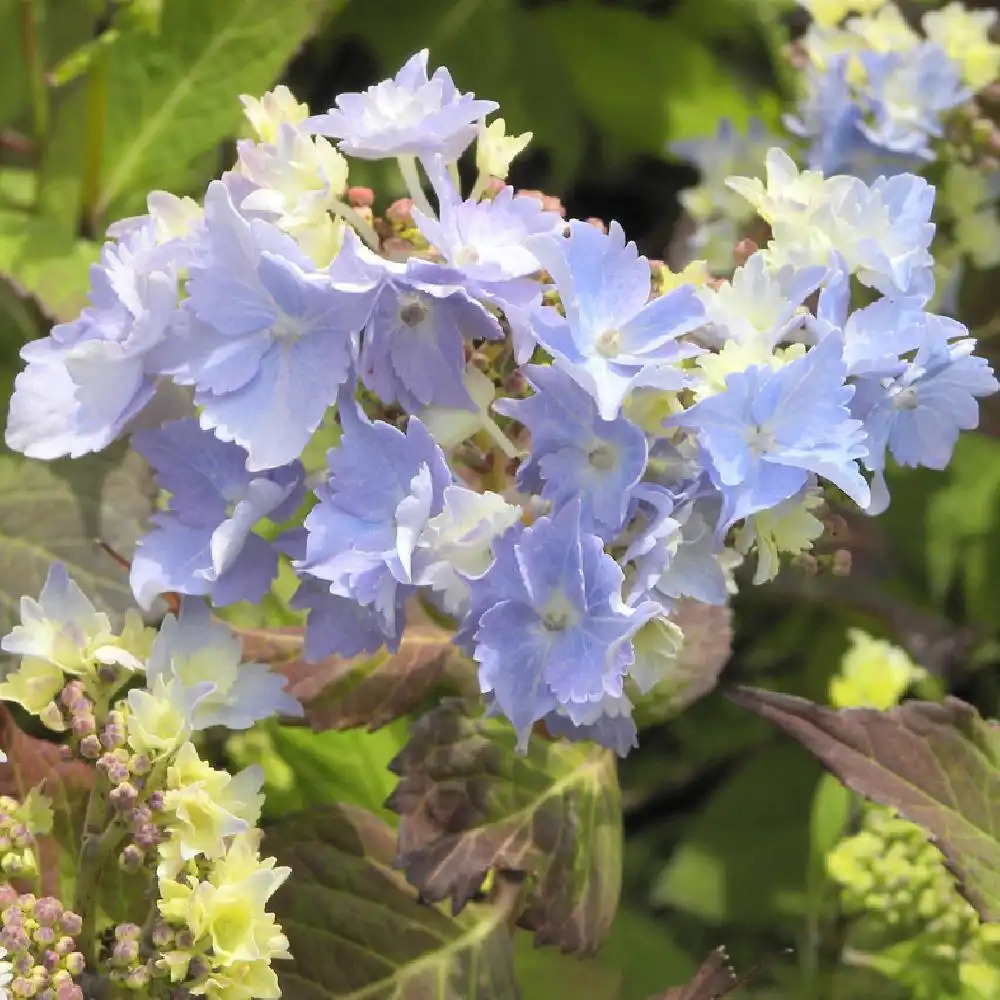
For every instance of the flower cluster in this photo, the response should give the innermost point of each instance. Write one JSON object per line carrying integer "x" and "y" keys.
{"x": 130, "y": 702}
{"x": 540, "y": 433}
{"x": 879, "y": 91}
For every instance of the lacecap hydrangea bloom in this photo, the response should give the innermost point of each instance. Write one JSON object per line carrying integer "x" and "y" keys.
{"x": 529, "y": 427}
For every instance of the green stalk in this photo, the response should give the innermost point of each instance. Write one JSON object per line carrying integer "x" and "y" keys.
{"x": 95, "y": 127}
{"x": 28, "y": 11}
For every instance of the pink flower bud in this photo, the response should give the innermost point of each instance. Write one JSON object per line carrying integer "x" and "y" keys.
{"x": 360, "y": 197}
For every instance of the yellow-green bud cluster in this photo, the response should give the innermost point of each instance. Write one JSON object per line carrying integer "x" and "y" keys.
{"x": 895, "y": 882}
{"x": 38, "y": 936}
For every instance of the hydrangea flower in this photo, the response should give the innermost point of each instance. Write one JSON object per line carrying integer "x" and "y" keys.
{"x": 880, "y": 233}
{"x": 195, "y": 649}
{"x": 88, "y": 378}
{"x": 918, "y": 415}
{"x": 457, "y": 545}
{"x": 413, "y": 346}
{"x": 487, "y": 241}
{"x": 769, "y": 430}
{"x": 271, "y": 339}
{"x": 556, "y": 632}
{"x": 964, "y": 35}
{"x": 409, "y": 115}
{"x": 299, "y": 181}
{"x": 908, "y": 93}
{"x": 614, "y": 338}
{"x": 204, "y": 542}
{"x": 384, "y": 486}
{"x": 575, "y": 454}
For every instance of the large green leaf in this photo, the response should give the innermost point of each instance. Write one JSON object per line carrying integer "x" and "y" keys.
{"x": 357, "y": 930}
{"x": 174, "y": 97}
{"x": 470, "y": 805}
{"x": 39, "y": 254}
{"x": 938, "y": 765}
{"x": 303, "y": 768}
{"x": 58, "y": 511}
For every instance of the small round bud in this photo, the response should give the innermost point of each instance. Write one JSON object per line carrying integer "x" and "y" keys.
{"x": 90, "y": 747}
{"x": 64, "y": 945}
{"x": 131, "y": 859}
{"x": 70, "y": 923}
{"x": 140, "y": 765}
{"x": 47, "y": 910}
{"x": 841, "y": 563}
{"x": 400, "y": 213}
{"x": 123, "y": 796}
{"x": 69, "y": 991}
{"x": 360, "y": 197}
{"x": 147, "y": 835}
{"x": 75, "y": 963}
{"x": 155, "y": 801}
{"x": 163, "y": 935}
{"x": 125, "y": 952}
{"x": 44, "y": 935}
{"x": 118, "y": 773}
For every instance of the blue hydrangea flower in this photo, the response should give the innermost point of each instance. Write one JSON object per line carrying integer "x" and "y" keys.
{"x": 485, "y": 240}
{"x": 409, "y": 115}
{"x": 271, "y": 340}
{"x": 384, "y": 487}
{"x": 195, "y": 650}
{"x": 769, "y": 429}
{"x": 204, "y": 543}
{"x": 613, "y": 339}
{"x": 831, "y": 117}
{"x": 575, "y": 454}
{"x": 673, "y": 549}
{"x": 918, "y": 415}
{"x": 339, "y": 625}
{"x": 876, "y": 337}
{"x": 89, "y": 378}
{"x": 608, "y": 722}
{"x": 556, "y": 631}
{"x": 413, "y": 347}
{"x": 908, "y": 92}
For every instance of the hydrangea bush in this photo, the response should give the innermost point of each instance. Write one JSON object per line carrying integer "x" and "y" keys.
{"x": 536, "y": 438}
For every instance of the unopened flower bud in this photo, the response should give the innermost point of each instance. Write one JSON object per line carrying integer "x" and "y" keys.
{"x": 140, "y": 765}
{"x": 360, "y": 197}
{"x": 125, "y": 952}
{"x": 90, "y": 747}
{"x": 75, "y": 963}
{"x": 123, "y": 796}
{"x": 163, "y": 935}
{"x": 69, "y": 991}
{"x": 47, "y": 910}
{"x": 131, "y": 858}
{"x": 155, "y": 801}
{"x": 44, "y": 935}
{"x": 147, "y": 835}
{"x": 400, "y": 213}
{"x": 70, "y": 923}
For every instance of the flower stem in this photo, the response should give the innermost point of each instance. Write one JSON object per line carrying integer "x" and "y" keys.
{"x": 31, "y": 51}
{"x": 411, "y": 178}
{"x": 95, "y": 126}
{"x": 353, "y": 218}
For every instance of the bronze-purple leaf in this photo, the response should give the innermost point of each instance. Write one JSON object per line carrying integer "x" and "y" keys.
{"x": 358, "y": 932}
{"x": 937, "y": 764}
{"x": 470, "y": 805}
{"x": 714, "y": 979}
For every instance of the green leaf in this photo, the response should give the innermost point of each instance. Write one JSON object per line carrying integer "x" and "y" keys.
{"x": 357, "y": 930}
{"x": 38, "y": 253}
{"x": 743, "y": 858}
{"x": 65, "y": 25}
{"x": 543, "y": 973}
{"x": 57, "y": 511}
{"x": 471, "y": 805}
{"x": 303, "y": 768}
{"x": 175, "y": 96}
{"x": 938, "y": 765}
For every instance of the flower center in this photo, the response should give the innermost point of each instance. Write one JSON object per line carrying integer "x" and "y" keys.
{"x": 906, "y": 400}
{"x": 467, "y": 255}
{"x": 412, "y": 310}
{"x": 286, "y": 329}
{"x": 558, "y": 613}
{"x": 602, "y": 457}
{"x": 608, "y": 343}
{"x": 760, "y": 440}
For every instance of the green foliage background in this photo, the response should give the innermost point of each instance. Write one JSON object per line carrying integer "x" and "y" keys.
{"x": 101, "y": 102}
